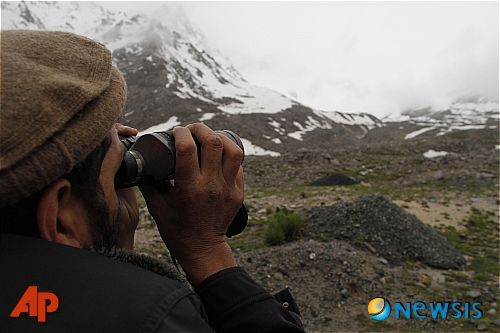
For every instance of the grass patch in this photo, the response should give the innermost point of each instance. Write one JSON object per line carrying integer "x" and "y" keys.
{"x": 486, "y": 264}
{"x": 479, "y": 238}
{"x": 458, "y": 134}
{"x": 359, "y": 241}
{"x": 379, "y": 184}
{"x": 243, "y": 244}
{"x": 452, "y": 235}
{"x": 482, "y": 277}
{"x": 283, "y": 226}
{"x": 324, "y": 238}
{"x": 458, "y": 277}
{"x": 480, "y": 241}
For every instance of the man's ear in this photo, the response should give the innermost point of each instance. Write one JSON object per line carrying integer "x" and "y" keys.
{"x": 60, "y": 217}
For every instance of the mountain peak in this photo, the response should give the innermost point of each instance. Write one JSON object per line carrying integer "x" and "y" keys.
{"x": 174, "y": 77}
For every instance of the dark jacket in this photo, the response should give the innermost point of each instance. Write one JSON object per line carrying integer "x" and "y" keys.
{"x": 99, "y": 294}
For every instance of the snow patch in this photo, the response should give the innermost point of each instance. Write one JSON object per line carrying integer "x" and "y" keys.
{"x": 417, "y": 133}
{"x": 311, "y": 125}
{"x": 275, "y": 140}
{"x": 180, "y": 95}
{"x": 350, "y": 119}
{"x": 296, "y": 135}
{"x": 277, "y": 126}
{"x": 173, "y": 121}
{"x": 136, "y": 50}
{"x": 460, "y": 128}
{"x": 207, "y": 116}
{"x": 251, "y": 149}
{"x": 456, "y": 116}
{"x": 254, "y": 100}
{"x": 431, "y": 153}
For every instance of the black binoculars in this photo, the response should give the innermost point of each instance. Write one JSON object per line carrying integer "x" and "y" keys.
{"x": 151, "y": 159}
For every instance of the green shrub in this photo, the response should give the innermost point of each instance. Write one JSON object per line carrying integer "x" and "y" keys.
{"x": 274, "y": 234}
{"x": 283, "y": 225}
{"x": 290, "y": 223}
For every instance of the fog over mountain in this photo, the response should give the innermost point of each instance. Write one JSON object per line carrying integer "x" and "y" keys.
{"x": 175, "y": 77}
{"x": 375, "y": 57}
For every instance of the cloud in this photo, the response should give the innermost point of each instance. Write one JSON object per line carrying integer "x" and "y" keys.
{"x": 375, "y": 57}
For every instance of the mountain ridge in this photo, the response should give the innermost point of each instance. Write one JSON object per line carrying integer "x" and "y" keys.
{"x": 175, "y": 78}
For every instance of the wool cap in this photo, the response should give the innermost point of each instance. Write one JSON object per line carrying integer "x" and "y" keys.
{"x": 60, "y": 96}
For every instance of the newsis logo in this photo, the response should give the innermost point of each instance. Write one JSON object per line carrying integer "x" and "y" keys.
{"x": 379, "y": 308}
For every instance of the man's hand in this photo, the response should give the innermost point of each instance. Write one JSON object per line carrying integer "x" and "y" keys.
{"x": 194, "y": 215}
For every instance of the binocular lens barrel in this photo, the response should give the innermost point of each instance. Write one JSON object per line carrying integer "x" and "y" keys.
{"x": 151, "y": 158}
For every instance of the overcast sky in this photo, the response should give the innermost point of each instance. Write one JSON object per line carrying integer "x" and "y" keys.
{"x": 375, "y": 57}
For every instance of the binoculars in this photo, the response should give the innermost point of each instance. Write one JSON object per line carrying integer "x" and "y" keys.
{"x": 150, "y": 159}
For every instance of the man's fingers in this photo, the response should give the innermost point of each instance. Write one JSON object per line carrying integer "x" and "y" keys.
{"x": 220, "y": 157}
{"x": 186, "y": 166}
{"x": 211, "y": 148}
{"x": 231, "y": 159}
{"x": 125, "y": 130}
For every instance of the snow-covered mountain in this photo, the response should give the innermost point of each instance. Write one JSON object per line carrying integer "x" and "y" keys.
{"x": 476, "y": 113}
{"x": 174, "y": 77}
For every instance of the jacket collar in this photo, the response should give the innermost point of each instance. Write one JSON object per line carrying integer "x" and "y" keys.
{"x": 163, "y": 268}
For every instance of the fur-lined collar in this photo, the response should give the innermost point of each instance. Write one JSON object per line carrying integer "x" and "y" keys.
{"x": 162, "y": 268}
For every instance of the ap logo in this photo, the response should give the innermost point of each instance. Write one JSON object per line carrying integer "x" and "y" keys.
{"x": 36, "y": 304}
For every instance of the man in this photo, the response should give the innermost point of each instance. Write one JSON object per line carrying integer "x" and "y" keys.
{"x": 63, "y": 222}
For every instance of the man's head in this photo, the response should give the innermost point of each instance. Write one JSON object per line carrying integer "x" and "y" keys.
{"x": 61, "y": 97}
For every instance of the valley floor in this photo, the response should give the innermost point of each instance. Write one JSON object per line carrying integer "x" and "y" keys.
{"x": 333, "y": 280}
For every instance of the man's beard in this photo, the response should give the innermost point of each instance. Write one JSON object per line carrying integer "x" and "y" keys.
{"x": 103, "y": 227}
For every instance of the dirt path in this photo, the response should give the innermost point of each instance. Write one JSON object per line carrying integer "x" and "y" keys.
{"x": 448, "y": 213}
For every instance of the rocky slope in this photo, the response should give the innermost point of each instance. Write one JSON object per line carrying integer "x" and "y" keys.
{"x": 357, "y": 244}
{"x": 454, "y": 159}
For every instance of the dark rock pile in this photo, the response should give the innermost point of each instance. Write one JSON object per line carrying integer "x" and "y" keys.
{"x": 334, "y": 179}
{"x": 386, "y": 229}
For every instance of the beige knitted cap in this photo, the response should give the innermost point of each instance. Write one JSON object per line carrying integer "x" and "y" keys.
{"x": 60, "y": 96}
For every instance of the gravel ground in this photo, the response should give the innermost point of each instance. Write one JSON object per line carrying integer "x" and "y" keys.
{"x": 333, "y": 280}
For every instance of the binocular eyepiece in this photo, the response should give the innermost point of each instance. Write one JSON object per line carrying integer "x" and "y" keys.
{"x": 151, "y": 159}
